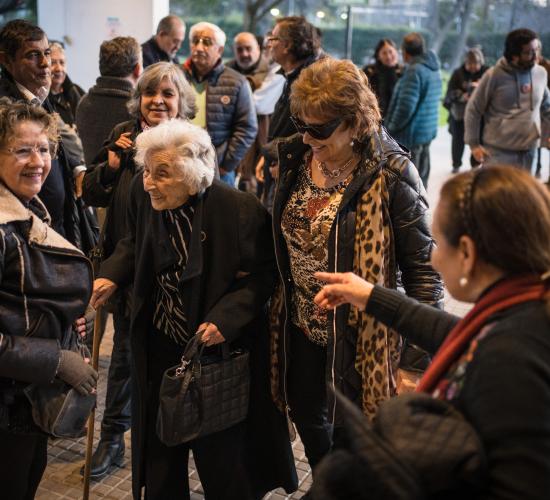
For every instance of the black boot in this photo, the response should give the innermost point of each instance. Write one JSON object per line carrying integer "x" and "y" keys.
{"x": 109, "y": 452}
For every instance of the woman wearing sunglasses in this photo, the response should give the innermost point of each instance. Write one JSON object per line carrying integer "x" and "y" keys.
{"x": 348, "y": 199}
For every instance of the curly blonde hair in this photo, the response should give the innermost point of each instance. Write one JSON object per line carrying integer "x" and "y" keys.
{"x": 330, "y": 89}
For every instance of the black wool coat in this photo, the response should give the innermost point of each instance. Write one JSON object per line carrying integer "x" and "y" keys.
{"x": 230, "y": 275}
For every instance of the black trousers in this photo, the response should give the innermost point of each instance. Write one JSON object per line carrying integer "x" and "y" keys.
{"x": 116, "y": 418}
{"x": 219, "y": 457}
{"x": 307, "y": 395}
{"x": 456, "y": 128}
{"x": 420, "y": 156}
{"x": 23, "y": 459}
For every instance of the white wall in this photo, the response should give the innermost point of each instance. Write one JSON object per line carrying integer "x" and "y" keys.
{"x": 83, "y": 24}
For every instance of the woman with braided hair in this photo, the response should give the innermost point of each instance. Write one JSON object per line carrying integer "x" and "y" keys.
{"x": 493, "y": 365}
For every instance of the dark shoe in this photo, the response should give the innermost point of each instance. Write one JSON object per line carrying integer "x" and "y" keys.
{"x": 455, "y": 170}
{"x": 109, "y": 452}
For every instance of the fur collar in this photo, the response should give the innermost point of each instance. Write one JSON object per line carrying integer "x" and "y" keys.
{"x": 40, "y": 232}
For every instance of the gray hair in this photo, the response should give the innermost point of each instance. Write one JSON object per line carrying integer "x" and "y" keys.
{"x": 57, "y": 46}
{"x": 151, "y": 78}
{"x": 192, "y": 145}
{"x": 219, "y": 35}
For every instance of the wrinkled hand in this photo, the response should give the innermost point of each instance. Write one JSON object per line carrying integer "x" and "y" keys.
{"x": 480, "y": 154}
{"x": 78, "y": 180}
{"x": 211, "y": 335}
{"x": 259, "y": 170}
{"x": 84, "y": 326}
{"x": 343, "y": 288}
{"x": 103, "y": 289}
{"x": 77, "y": 372}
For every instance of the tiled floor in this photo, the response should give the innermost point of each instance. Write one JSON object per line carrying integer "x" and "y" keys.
{"x": 62, "y": 479}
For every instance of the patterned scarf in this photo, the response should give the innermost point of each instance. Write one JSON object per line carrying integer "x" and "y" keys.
{"x": 378, "y": 347}
{"x": 505, "y": 294}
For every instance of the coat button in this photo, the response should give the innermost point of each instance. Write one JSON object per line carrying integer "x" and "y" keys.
{"x": 289, "y": 156}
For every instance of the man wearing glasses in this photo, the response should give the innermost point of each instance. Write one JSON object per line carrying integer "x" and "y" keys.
{"x": 223, "y": 97}
{"x": 294, "y": 44}
{"x": 510, "y": 99}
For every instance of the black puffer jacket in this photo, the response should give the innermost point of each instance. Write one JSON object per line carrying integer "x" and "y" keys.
{"x": 411, "y": 232}
{"x": 45, "y": 284}
{"x": 230, "y": 114}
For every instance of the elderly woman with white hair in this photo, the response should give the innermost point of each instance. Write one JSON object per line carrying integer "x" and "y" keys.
{"x": 162, "y": 93}
{"x": 201, "y": 257}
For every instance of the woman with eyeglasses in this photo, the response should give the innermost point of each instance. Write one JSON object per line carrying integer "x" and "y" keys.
{"x": 45, "y": 284}
{"x": 348, "y": 199}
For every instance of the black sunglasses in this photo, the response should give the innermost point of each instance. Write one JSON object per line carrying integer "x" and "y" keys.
{"x": 321, "y": 132}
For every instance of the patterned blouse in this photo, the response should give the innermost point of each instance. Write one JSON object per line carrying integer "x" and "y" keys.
{"x": 306, "y": 223}
{"x": 169, "y": 315}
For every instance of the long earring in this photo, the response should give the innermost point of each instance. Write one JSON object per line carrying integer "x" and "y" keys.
{"x": 463, "y": 281}
{"x": 352, "y": 143}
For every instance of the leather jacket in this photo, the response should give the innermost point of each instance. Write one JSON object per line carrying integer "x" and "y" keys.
{"x": 45, "y": 285}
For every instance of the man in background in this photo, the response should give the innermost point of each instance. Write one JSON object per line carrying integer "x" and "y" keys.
{"x": 412, "y": 116}
{"x": 510, "y": 100}
{"x": 105, "y": 104}
{"x": 267, "y": 85}
{"x": 226, "y": 110}
{"x": 165, "y": 44}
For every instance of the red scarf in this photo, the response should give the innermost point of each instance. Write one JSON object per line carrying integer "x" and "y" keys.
{"x": 504, "y": 295}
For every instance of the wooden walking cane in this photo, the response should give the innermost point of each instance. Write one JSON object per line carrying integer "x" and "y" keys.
{"x": 91, "y": 419}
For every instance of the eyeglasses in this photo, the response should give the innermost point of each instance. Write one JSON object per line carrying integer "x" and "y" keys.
{"x": 270, "y": 39}
{"x": 207, "y": 42}
{"x": 24, "y": 153}
{"x": 321, "y": 132}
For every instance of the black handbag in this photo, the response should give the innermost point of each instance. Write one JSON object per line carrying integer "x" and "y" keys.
{"x": 203, "y": 395}
{"x": 58, "y": 409}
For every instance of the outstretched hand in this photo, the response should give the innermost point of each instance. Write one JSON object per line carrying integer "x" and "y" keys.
{"x": 343, "y": 288}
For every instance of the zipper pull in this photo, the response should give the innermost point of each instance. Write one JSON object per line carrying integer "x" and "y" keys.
{"x": 290, "y": 425}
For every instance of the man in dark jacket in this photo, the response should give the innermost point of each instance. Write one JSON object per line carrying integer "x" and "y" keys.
{"x": 165, "y": 44}
{"x": 25, "y": 58}
{"x": 413, "y": 113}
{"x": 294, "y": 44}
{"x": 105, "y": 104}
{"x": 224, "y": 99}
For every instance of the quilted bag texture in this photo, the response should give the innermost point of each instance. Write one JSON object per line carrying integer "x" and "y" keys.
{"x": 203, "y": 395}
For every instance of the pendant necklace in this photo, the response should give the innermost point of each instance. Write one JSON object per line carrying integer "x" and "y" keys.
{"x": 333, "y": 174}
